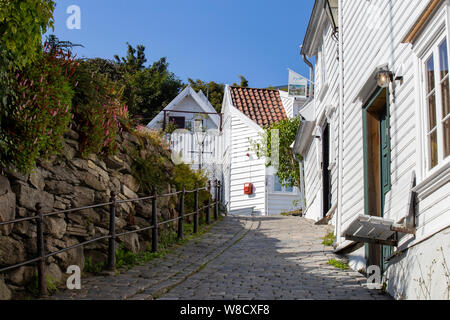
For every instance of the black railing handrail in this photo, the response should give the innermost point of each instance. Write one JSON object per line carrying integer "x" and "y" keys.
{"x": 103, "y": 204}
{"x": 42, "y": 256}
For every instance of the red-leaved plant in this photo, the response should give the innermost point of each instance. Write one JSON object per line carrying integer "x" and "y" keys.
{"x": 42, "y": 110}
{"x": 98, "y": 111}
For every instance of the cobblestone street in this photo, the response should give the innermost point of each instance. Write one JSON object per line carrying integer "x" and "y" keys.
{"x": 240, "y": 258}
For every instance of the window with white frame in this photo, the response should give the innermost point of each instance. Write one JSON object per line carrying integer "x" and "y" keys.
{"x": 278, "y": 187}
{"x": 437, "y": 102}
{"x": 321, "y": 69}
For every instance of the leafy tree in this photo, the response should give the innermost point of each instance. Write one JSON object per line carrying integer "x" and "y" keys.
{"x": 213, "y": 90}
{"x": 244, "y": 82}
{"x": 109, "y": 68}
{"x": 55, "y": 44}
{"x": 149, "y": 90}
{"x": 288, "y": 169}
{"x": 135, "y": 59}
{"x": 22, "y": 23}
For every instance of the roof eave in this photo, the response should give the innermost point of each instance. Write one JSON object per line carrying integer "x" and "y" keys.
{"x": 315, "y": 28}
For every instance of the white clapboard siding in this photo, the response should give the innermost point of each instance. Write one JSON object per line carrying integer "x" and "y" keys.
{"x": 367, "y": 48}
{"x": 243, "y": 170}
{"x": 288, "y": 104}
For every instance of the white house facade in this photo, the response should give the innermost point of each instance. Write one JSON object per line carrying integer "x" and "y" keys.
{"x": 197, "y": 139}
{"x": 376, "y": 138}
{"x": 246, "y": 111}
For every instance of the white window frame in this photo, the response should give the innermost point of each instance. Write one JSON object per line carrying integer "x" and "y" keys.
{"x": 283, "y": 188}
{"x": 330, "y": 114}
{"x": 433, "y": 50}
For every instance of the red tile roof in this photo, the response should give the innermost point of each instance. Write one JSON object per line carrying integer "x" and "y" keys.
{"x": 263, "y": 106}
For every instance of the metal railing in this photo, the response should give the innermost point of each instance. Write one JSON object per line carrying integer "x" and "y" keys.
{"x": 40, "y": 216}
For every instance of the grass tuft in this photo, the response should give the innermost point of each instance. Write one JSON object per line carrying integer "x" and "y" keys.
{"x": 329, "y": 239}
{"x": 339, "y": 264}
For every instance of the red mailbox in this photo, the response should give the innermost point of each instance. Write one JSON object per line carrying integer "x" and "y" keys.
{"x": 248, "y": 188}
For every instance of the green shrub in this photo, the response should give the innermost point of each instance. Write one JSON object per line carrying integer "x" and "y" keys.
{"x": 98, "y": 111}
{"x": 32, "y": 128}
{"x": 90, "y": 266}
{"x": 184, "y": 175}
{"x": 152, "y": 170}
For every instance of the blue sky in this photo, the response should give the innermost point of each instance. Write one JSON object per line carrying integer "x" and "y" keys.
{"x": 206, "y": 39}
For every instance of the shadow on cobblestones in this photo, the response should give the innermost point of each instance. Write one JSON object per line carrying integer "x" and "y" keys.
{"x": 240, "y": 258}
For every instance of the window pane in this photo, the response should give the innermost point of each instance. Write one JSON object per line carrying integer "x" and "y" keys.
{"x": 430, "y": 74}
{"x": 277, "y": 184}
{"x": 431, "y": 112}
{"x": 445, "y": 98}
{"x": 443, "y": 59}
{"x": 447, "y": 137}
{"x": 289, "y": 189}
{"x": 432, "y": 139}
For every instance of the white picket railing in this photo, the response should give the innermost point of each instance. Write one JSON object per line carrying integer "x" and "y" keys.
{"x": 189, "y": 147}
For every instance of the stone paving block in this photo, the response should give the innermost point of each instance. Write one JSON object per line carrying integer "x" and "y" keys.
{"x": 253, "y": 258}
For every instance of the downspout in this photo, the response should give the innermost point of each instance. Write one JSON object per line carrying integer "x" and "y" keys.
{"x": 302, "y": 188}
{"x": 341, "y": 123}
{"x": 311, "y": 74}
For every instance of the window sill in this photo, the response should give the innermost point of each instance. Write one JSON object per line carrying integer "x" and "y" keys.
{"x": 433, "y": 182}
{"x": 279, "y": 193}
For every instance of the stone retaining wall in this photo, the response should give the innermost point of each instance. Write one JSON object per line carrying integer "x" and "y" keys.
{"x": 68, "y": 181}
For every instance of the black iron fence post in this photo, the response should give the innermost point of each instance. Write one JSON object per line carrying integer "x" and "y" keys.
{"x": 219, "y": 192}
{"x": 208, "y": 208}
{"x": 42, "y": 281}
{"x": 181, "y": 214}
{"x": 196, "y": 209}
{"x": 112, "y": 234}
{"x": 155, "y": 224}
{"x": 216, "y": 199}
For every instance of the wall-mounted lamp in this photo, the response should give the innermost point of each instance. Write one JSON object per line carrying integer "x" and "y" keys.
{"x": 331, "y": 8}
{"x": 384, "y": 77}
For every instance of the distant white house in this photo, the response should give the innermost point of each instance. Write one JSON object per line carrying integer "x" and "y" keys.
{"x": 376, "y": 138}
{"x": 245, "y": 112}
{"x": 197, "y": 140}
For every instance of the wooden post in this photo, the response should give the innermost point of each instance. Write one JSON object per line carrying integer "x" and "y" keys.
{"x": 42, "y": 281}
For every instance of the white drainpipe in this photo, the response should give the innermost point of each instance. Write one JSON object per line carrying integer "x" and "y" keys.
{"x": 341, "y": 124}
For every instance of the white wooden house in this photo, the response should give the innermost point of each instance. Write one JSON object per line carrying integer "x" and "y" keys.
{"x": 197, "y": 140}
{"x": 246, "y": 111}
{"x": 380, "y": 117}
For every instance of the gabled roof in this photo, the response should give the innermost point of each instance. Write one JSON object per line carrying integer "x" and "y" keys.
{"x": 263, "y": 106}
{"x": 201, "y": 101}
{"x": 317, "y": 23}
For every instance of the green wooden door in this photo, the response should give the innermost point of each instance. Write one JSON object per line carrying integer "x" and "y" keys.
{"x": 376, "y": 157}
{"x": 385, "y": 169}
